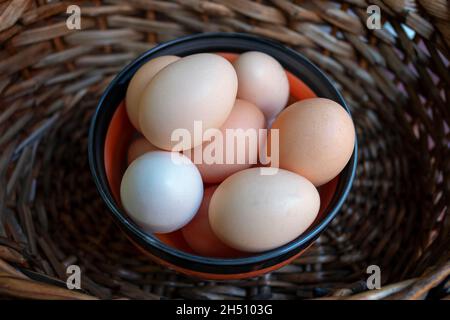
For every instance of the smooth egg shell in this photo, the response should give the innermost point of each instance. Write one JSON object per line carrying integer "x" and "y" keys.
{"x": 138, "y": 83}
{"x": 161, "y": 191}
{"x": 199, "y": 235}
{"x": 254, "y": 212}
{"x": 200, "y": 87}
{"x": 245, "y": 115}
{"x": 262, "y": 81}
{"x": 317, "y": 138}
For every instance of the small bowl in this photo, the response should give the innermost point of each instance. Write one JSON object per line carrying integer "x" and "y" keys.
{"x": 111, "y": 132}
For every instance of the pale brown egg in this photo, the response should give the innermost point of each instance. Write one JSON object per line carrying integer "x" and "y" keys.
{"x": 200, "y": 237}
{"x": 316, "y": 139}
{"x": 253, "y": 212}
{"x": 139, "y": 81}
{"x": 262, "y": 81}
{"x": 198, "y": 88}
{"x": 250, "y": 119}
{"x": 138, "y": 147}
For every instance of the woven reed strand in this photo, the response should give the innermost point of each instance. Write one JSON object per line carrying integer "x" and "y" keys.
{"x": 397, "y": 86}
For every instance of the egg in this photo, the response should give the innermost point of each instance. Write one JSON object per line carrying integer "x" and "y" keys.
{"x": 161, "y": 191}
{"x": 138, "y": 147}
{"x": 316, "y": 139}
{"x": 254, "y": 212}
{"x": 200, "y": 237}
{"x": 138, "y": 83}
{"x": 262, "y": 81}
{"x": 245, "y": 116}
{"x": 200, "y": 87}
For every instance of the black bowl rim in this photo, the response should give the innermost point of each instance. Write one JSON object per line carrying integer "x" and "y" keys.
{"x": 299, "y": 243}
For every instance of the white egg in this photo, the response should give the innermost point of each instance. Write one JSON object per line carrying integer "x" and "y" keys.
{"x": 161, "y": 191}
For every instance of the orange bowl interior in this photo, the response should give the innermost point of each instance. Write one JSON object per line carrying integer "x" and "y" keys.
{"x": 120, "y": 133}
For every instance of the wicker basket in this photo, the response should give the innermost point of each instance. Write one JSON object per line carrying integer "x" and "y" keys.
{"x": 395, "y": 79}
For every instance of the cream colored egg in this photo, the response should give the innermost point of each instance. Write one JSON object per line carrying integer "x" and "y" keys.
{"x": 254, "y": 212}
{"x": 316, "y": 139}
{"x": 262, "y": 81}
{"x": 201, "y": 87}
{"x": 139, "y": 81}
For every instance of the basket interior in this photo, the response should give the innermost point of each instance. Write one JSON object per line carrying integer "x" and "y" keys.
{"x": 394, "y": 79}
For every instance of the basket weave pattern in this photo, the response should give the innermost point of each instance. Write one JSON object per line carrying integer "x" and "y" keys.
{"x": 396, "y": 83}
